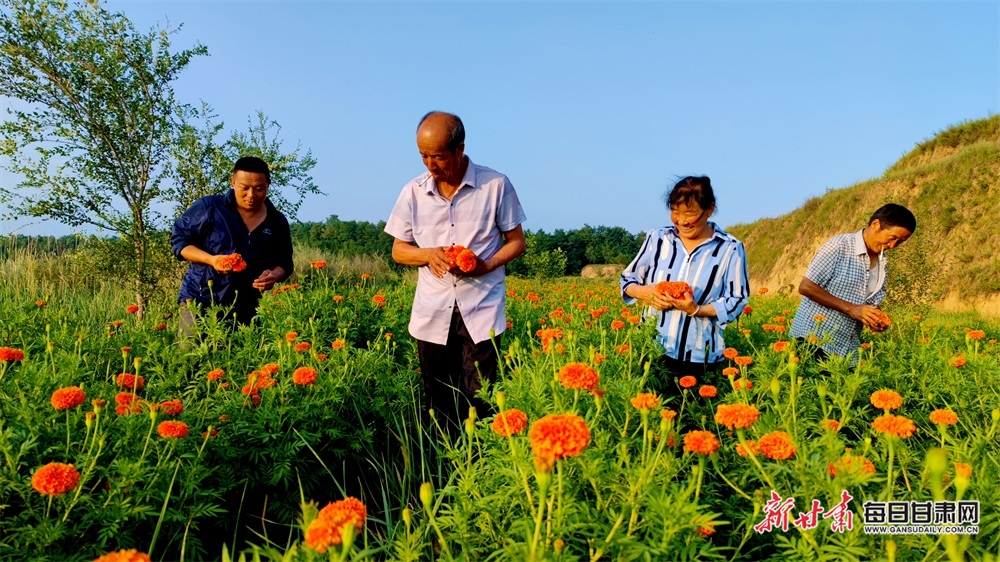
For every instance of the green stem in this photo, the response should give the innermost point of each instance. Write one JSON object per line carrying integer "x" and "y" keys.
{"x": 543, "y": 488}
{"x": 163, "y": 510}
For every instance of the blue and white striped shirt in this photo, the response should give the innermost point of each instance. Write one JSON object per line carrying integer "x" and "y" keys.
{"x": 716, "y": 271}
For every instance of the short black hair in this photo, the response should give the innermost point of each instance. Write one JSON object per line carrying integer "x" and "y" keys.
{"x": 891, "y": 214}
{"x": 457, "y": 128}
{"x": 691, "y": 188}
{"x": 253, "y": 165}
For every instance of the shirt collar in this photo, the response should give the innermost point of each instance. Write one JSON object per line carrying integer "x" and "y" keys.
{"x": 859, "y": 243}
{"x": 469, "y": 179}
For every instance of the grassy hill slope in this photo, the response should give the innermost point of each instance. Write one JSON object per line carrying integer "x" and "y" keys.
{"x": 951, "y": 182}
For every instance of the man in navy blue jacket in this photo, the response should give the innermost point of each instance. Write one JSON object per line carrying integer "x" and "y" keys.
{"x": 242, "y": 221}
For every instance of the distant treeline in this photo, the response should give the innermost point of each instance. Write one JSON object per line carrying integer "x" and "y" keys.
{"x": 563, "y": 252}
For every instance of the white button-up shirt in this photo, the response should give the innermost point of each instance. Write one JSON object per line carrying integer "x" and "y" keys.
{"x": 484, "y": 206}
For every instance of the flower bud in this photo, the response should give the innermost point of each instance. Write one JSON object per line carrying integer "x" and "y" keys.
{"x": 996, "y": 415}
{"x": 937, "y": 461}
{"x": 890, "y": 550}
{"x": 501, "y": 400}
{"x": 89, "y": 419}
{"x": 821, "y": 390}
{"x": 407, "y": 517}
{"x": 427, "y": 495}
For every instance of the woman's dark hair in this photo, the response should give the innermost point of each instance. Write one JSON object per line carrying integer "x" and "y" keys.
{"x": 891, "y": 214}
{"x": 253, "y": 165}
{"x": 691, "y": 188}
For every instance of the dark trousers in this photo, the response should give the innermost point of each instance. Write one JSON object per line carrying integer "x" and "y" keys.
{"x": 453, "y": 373}
{"x": 664, "y": 371}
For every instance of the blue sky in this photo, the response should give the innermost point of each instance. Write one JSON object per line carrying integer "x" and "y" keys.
{"x": 592, "y": 109}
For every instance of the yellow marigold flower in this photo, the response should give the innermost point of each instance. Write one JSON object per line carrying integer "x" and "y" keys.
{"x": 944, "y": 417}
{"x": 900, "y": 426}
{"x": 736, "y": 416}
{"x": 578, "y": 376}
{"x": 55, "y": 479}
{"x": 510, "y": 422}
{"x": 645, "y": 401}
{"x": 963, "y": 469}
{"x": 701, "y": 442}
{"x": 777, "y": 445}
{"x": 886, "y": 399}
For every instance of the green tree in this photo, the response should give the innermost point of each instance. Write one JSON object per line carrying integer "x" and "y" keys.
{"x": 94, "y": 125}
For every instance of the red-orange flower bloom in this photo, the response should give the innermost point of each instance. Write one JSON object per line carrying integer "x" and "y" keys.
{"x": 328, "y": 527}
{"x": 830, "y": 425}
{"x": 291, "y": 336}
{"x": 172, "y": 429}
{"x": 462, "y": 257}
{"x": 777, "y": 445}
{"x": 578, "y": 376}
{"x": 130, "y": 381}
{"x": 304, "y": 375}
{"x": 673, "y": 289}
{"x": 886, "y": 399}
{"x": 509, "y": 422}
{"x": 320, "y": 264}
{"x": 233, "y": 262}
{"x": 668, "y": 414}
{"x": 944, "y": 417}
{"x": 11, "y": 354}
{"x": 216, "y": 374}
{"x": 131, "y": 555}
{"x": 701, "y": 442}
{"x": 957, "y": 361}
{"x": 730, "y": 353}
{"x": 780, "y": 346}
{"x": 850, "y": 464}
{"x": 132, "y": 308}
{"x": 688, "y": 381}
{"x": 617, "y": 325}
{"x": 645, "y": 401}
{"x": 557, "y": 436}
{"x": 55, "y": 479}
{"x": 736, "y": 416}
{"x": 172, "y": 407}
{"x": 750, "y": 448}
{"x": 302, "y": 346}
{"x": 730, "y": 371}
{"x": 69, "y": 397}
{"x": 743, "y": 361}
{"x": 379, "y": 300}
{"x": 964, "y": 470}
{"x": 742, "y": 384}
{"x": 708, "y": 391}
{"x": 339, "y": 344}
{"x": 900, "y": 426}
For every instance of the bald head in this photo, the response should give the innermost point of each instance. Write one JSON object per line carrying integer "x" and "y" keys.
{"x": 442, "y": 129}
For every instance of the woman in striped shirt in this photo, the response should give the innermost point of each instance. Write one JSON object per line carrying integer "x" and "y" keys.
{"x": 712, "y": 263}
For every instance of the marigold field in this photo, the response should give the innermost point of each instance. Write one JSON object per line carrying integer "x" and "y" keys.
{"x": 299, "y": 438}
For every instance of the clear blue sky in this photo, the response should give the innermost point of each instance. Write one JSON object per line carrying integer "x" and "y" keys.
{"x": 592, "y": 109}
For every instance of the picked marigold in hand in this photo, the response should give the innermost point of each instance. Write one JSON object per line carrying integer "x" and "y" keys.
{"x": 883, "y": 321}
{"x": 674, "y": 289}
{"x": 461, "y": 257}
{"x": 233, "y": 262}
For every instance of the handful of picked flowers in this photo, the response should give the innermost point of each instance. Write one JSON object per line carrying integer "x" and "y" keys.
{"x": 462, "y": 257}
{"x": 673, "y": 289}
{"x": 234, "y": 262}
{"x": 883, "y": 322}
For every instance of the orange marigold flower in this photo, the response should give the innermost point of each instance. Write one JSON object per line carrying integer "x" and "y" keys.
{"x": 328, "y": 527}
{"x": 466, "y": 260}
{"x": 338, "y": 298}
{"x": 780, "y": 346}
{"x": 944, "y": 417}
{"x": 40, "y": 303}
{"x": 850, "y": 464}
{"x": 976, "y": 334}
{"x": 635, "y": 320}
{"x": 578, "y": 376}
{"x": 701, "y": 442}
{"x": 128, "y": 380}
{"x": 558, "y": 436}
{"x": 598, "y": 358}
{"x": 215, "y": 374}
{"x": 623, "y": 349}
{"x": 748, "y": 310}
{"x": 762, "y": 290}
{"x": 379, "y": 300}
{"x": 132, "y": 308}
{"x": 777, "y": 445}
{"x": 291, "y": 336}
{"x": 886, "y": 399}
{"x": 744, "y": 361}
{"x": 124, "y": 398}
{"x": 205, "y": 434}
{"x": 688, "y": 381}
{"x": 617, "y": 325}
{"x": 829, "y": 425}
{"x": 730, "y": 353}
{"x": 778, "y": 319}
{"x": 69, "y": 397}
{"x": 668, "y": 414}
{"x": 131, "y": 555}
{"x": 172, "y": 407}
{"x": 900, "y": 426}
{"x": 708, "y": 391}
{"x": 233, "y": 262}
{"x": 55, "y": 479}
{"x": 116, "y": 323}
{"x": 736, "y": 416}
{"x": 742, "y": 384}
{"x": 730, "y": 371}
{"x": 673, "y": 289}
{"x": 160, "y": 327}
{"x": 706, "y": 530}
{"x": 751, "y": 448}
{"x": 963, "y": 469}
{"x": 304, "y": 375}
{"x": 957, "y": 361}
{"x": 270, "y": 369}
{"x": 645, "y": 401}
{"x": 339, "y": 344}
{"x": 509, "y": 422}
{"x": 11, "y": 354}
{"x": 365, "y": 276}
{"x": 320, "y": 264}
{"x": 172, "y": 429}
{"x": 819, "y": 318}
{"x": 302, "y": 346}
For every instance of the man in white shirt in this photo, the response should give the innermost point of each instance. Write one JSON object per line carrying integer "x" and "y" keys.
{"x": 456, "y": 203}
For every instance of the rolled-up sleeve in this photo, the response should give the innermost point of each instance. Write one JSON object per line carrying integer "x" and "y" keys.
{"x": 640, "y": 268}
{"x": 188, "y": 227}
{"x": 735, "y": 287}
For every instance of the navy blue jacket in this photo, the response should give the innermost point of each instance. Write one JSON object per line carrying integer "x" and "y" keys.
{"x": 213, "y": 224}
